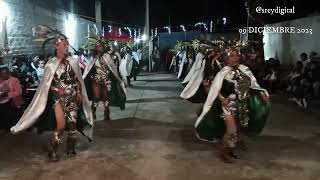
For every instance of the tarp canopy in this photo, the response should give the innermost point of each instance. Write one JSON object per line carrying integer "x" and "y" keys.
{"x": 114, "y": 35}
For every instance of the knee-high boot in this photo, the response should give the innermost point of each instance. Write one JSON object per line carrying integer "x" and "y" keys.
{"x": 53, "y": 143}
{"x": 94, "y": 109}
{"x": 106, "y": 111}
{"x": 72, "y": 140}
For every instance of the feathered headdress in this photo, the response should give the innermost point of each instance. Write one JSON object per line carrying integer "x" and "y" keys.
{"x": 45, "y": 34}
{"x": 181, "y": 44}
{"x": 196, "y": 44}
{"x": 91, "y": 43}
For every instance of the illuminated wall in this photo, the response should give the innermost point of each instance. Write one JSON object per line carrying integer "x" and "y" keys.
{"x": 22, "y": 15}
{"x": 288, "y": 47}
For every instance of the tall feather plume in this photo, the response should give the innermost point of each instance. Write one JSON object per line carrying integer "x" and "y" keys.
{"x": 44, "y": 34}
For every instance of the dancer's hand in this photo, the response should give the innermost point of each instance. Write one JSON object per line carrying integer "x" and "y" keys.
{"x": 225, "y": 101}
{"x": 264, "y": 97}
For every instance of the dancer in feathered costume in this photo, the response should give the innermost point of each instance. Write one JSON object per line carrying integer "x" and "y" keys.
{"x": 202, "y": 73}
{"x": 102, "y": 78}
{"x": 61, "y": 101}
{"x": 235, "y": 105}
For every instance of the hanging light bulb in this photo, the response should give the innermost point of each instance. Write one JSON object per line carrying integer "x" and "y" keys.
{"x": 224, "y": 21}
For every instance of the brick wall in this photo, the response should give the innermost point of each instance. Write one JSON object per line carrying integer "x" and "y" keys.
{"x": 24, "y": 14}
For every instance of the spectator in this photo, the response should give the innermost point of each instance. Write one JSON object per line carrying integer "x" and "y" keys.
{"x": 156, "y": 59}
{"x": 315, "y": 79}
{"x": 304, "y": 89}
{"x": 293, "y": 79}
{"x": 271, "y": 76}
{"x": 304, "y": 60}
{"x": 11, "y": 101}
{"x": 40, "y": 68}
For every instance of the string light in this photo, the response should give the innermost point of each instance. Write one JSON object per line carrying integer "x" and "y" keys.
{"x": 129, "y": 30}
{"x": 110, "y": 28}
{"x": 96, "y": 29}
{"x": 201, "y": 23}
{"x": 139, "y": 33}
{"x": 168, "y": 28}
{"x": 183, "y": 28}
{"x": 154, "y": 32}
{"x": 135, "y": 33}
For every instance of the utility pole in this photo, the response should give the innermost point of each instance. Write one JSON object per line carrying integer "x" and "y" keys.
{"x": 146, "y": 33}
{"x": 248, "y": 18}
{"x": 98, "y": 17}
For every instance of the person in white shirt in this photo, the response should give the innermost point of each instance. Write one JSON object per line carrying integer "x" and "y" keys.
{"x": 136, "y": 65}
{"x": 40, "y": 69}
{"x": 126, "y": 65}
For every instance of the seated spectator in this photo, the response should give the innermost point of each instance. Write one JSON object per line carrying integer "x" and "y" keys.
{"x": 271, "y": 76}
{"x": 11, "y": 101}
{"x": 304, "y": 90}
{"x": 304, "y": 60}
{"x": 315, "y": 78}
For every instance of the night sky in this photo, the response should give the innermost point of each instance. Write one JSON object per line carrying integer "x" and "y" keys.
{"x": 132, "y": 12}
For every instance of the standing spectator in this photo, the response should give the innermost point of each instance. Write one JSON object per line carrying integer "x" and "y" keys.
{"x": 79, "y": 55}
{"x": 126, "y": 65}
{"x": 169, "y": 55}
{"x": 135, "y": 65}
{"x": 156, "y": 59}
{"x": 40, "y": 68}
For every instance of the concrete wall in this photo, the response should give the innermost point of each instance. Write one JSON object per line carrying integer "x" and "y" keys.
{"x": 22, "y": 15}
{"x": 288, "y": 47}
{"x": 167, "y": 40}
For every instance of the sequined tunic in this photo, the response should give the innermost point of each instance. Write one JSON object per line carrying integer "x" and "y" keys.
{"x": 66, "y": 79}
{"x": 236, "y": 87}
{"x": 101, "y": 73}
